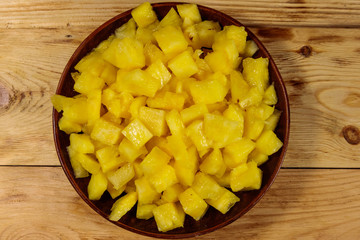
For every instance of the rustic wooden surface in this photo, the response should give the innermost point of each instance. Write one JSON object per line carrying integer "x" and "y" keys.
{"x": 316, "y": 45}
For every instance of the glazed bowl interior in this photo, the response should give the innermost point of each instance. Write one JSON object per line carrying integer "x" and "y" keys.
{"x": 212, "y": 219}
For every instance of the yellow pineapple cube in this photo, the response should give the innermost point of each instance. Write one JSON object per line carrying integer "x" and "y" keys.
{"x": 171, "y": 194}
{"x": 194, "y": 112}
{"x": 206, "y": 187}
{"x": 154, "y": 161}
{"x": 238, "y": 34}
{"x": 226, "y": 201}
{"x": 121, "y": 176}
{"x": 224, "y": 181}
{"x": 137, "y": 133}
{"x": 169, "y": 216}
{"x": 76, "y": 111}
{"x": 88, "y": 82}
{"x": 152, "y": 54}
{"x": 272, "y": 121}
{"x": 109, "y": 159}
{"x": 92, "y": 63}
{"x": 104, "y": 44}
{"x": 135, "y": 106}
{"x": 228, "y": 47}
{"x": 258, "y": 157}
{"x": 145, "y": 211}
{"x": 186, "y": 168}
{"x": 175, "y": 123}
{"x": 177, "y": 147}
{"x": 262, "y": 111}
{"x": 145, "y": 35}
{"x": 253, "y": 126}
{"x": 146, "y": 193}
{"x": 97, "y": 186}
{"x": 250, "y": 48}
{"x": 117, "y": 104}
{"x": 81, "y": 143}
{"x": 93, "y": 106}
{"x": 144, "y": 14}
{"x": 193, "y": 204}
{"x": 253, "y": 97}
{"x": 238, "y": 86}
{"x": 214, "y": 164}
{"x": 235, "y": 113}
{"x": 237, "y": 153}
{"x": 219, "y": 62}
{"x": 122, "y": 206}
{"x": 127, "y": 30}
{"x": 126, "y": 53}
{"x": 159, "y": 142}
{"x": 79, "y": 170}
{"x": 159, "y": 71}
{"x": 250, "y": 179}
{"x": 171, "y": 40}
{"x": 59, "y": 102}
{"x": 171, "y": 18}
{"x": 87, "y": 162}
{"x": 189, "y": 11}
{"x": 195, "y": 131}
{"x": 154, "y": 120}
{"x": 167, "y": 101}
{"x": 201, "y": 34}
{"x": 163, "y": 178}
{"x": 270, "y": 97}
{"x": 68, "y": 126}
{"x": 111, "y": 118}
{"x": 106, "y": 132}
{"x": 129, "y": 152}
{"x": 208, "y": 91}
{"x": 256, "y": 72}
{"x": 114, "y": 193}
{"x": 268, "y": 143}
{"x": 183, "y": 65}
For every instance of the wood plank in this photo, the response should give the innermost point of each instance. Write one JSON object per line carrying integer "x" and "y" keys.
{"x": 39, "y": 203}
{"x": 60, "y": 14}
{"x": 31, "y": 66}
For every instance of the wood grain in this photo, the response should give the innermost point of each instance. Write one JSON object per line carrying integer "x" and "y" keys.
{"x": 41, "y": 204}
{"x": 31, "y": 67}
{"x": 40, "y": 13}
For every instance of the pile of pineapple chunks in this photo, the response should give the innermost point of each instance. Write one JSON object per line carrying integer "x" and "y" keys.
{"x": 161, "y": 123}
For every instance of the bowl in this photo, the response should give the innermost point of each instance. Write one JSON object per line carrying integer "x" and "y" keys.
{"x": 213, "y": 219}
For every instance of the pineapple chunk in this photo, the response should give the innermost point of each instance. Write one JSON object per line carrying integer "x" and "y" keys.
{"x": 145, "y": 211}
{"x": 250, "y": 179}
{"x": 171, "y": 194}
{"x": 117, "y": 104}
{"x": 236, "y": 33}
{"x": 219, "y": 62}
{"x": 226, "y": 201}
{"x": 154, "y": 161}
{"x": 76, "y": 111}
{"x": 239, "y": 86}
{"x": 68, "y": 126}
{"x": 159, "y": 142}
{"x": 81, "y": 143}
{"x": 253, "y": 126}
{"x": 186, "y": 168}
{"x": 154, "y": 120}
{"x": 195, "y": 131}
{"x": 122, "y": 206}
{"x": 137, "y": 133}
{"x": 79, "y": 170}
{"x": 109, "y": 159}
{"x": 92, "y": 63}
{"x": 169, "y": 216}
{"x": 253, "y": 97}
{"x": 250, "y": 48}
{"x": 233, "y": 112}
{"x": 206, "y": 187}
{"x": 159, "y": 72}
{"x": 171, "y": 40}
{"x": 189, "y": 11}
{"x": 167, "y": 101}
{"x": 171, "y": 18}
{"x": 256, "y": 72}
{"x": 163, "y": 178}
{"x": 208, "y": 91}
{"x": 146, "y": 193}
{"x": 121, "y": 176}
{"x": 272, "y": 121}
{"x": 152, "y": 54}
{"x": 127, "y": 30}
{"x": 237, "y": 153}
{"x": 144, "y": 14}
{"x": 129, "y": 151}
{"x": 175, "y": 123}
{"x": 106, "y": 132}
{"x": 97, "y": 186}
{"x": 194, "y": 112}
{"x": 258, "y": 157}
{"x": 126, "y": 53}
{"x": 183, "y": 65}
{"x": 268, "y": 143}
{"x": 59, "y": 102}
{"x": 114, "y": 193}
{"x": 135, "y": 106}
{"x": 202, "y": 34}
{"x": 177, "y": 147}
{"x": 214, "y": 164}
{"x": 193, "y": 204}
{"x": 93, "y": 106}
{"x": 88, "y": 82}
{"x": 87, "y": 162}
{"x": 145, "y": 35}
{"x": 270, "y": 97}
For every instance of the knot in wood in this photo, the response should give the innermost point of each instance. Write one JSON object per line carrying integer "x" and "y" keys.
{"x": 351, "y": 134}
{"x": 305, "y": 51}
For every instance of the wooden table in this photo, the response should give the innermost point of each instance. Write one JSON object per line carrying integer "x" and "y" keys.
{"x": 316, "y": 45}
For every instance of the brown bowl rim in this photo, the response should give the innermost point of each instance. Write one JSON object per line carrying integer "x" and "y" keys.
{"x": 264, "y": 188}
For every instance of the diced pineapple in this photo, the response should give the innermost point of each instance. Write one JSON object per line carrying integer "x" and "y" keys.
{"x": 93, "y": 106}
{"x": 145, "y": 211}
{"x": 59, "y": 102}
{"x": 221, "y": 130}
{"x": 250, "y": 179}
{"x": 127, "y": 30}
{"x": 268, "y": 143}
{"x": 189, "y": 11}
{"x": 235, "y": 113}
{"x": 137, "y": 133}
{"x": 239, "y": 86}
{"x": 253, "y": 125}
{"x": 159, "y": 142}
{"x": 194, "y": 112}
{"x": 145, "y": 35}
{"x": 262, "y": 111}
{"x": 117, "y": 104}
{"x": 87, "y": 162}
{"x": 81, "y": 143}
{"x": 163, "y": 178}
{"x": 154, "y": 161}
{"x": 193, "y": 204}
{"x": 270, "y": 97}
{"x": 129, "y": 151}
{"x": 177, "y": 147}
{"x": 146, "y": 193}
{"x": 169, "y": 216}
{"x": 171, "y": 194}
{"x": 224, "y": 181}
{"x": 88, "y": 82}
{"x": 195, "y": 131}
{"x": 208, "y": 91}
{"x": 121, "y": 176}
{"x": 226, "y": 201}
{"x": 167, "y": 101}
{"x": 114, "y": 193}
{"x": 154, "y": 120}
{"x": 79, "y": 170}
{"x": 159, "y": 71}
{"x": 175, "y": 123}
{"x": 122, "y": 206}
{"x": 76, "y": 111}
{"x": 68, "y": 126}
{"x": 152, "y": 54}
{"x": 92, "y": 63}
{"x": 186, "y": 168}
{"x": 219, "y": 62}
{"x": 112, "y": 118}
{"x": 171, "y": 40}
{"x": 171, "y": 18}
{"x": 104, "y": 44}
{"x": 106, "y": 132}
{"x": 227, "y": 46}
{"x": 126, "y": 53}
{"x": 206, "y": 187}
{"x": 253, "y": 97}
{"x": 144, "y": 14}
{"x": 258, "y": 157}
{"x": 97, "y": 186}
{"x": 256, "y": 72}
{"x": 183, "y": 65}
{"x": 272, "y": 121}
{"x": 109, "y": 159}
{"x": 214, "y": 164}
{"x": 135, "y": 106}
{"x": 237, "y": 153}
{"x": 250, "y": 48}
